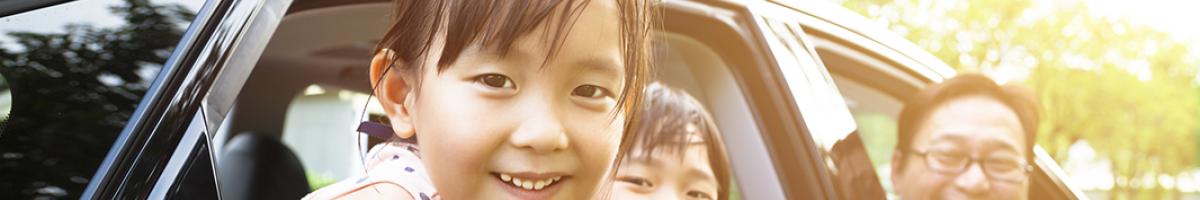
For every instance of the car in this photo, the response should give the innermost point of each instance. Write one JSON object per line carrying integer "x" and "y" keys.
{"x": 259, "y": 99}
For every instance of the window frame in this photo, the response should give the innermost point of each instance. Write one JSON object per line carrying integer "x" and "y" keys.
{"x": 187, "y": 101}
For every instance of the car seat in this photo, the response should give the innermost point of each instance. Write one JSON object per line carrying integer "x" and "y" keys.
{"x": 258, "y": 166}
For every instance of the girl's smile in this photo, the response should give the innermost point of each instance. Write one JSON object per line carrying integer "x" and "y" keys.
{"x": 527, "y": 185}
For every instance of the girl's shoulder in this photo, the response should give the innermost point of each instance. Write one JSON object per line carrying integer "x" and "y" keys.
{"x": 393, "y": 169}
{"x": 374, "y": 191}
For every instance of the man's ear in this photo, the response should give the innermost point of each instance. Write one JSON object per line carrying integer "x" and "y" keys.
{"x": 394, "y": 91}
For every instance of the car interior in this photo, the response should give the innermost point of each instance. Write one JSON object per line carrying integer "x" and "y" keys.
{"x": 309, "y": 90}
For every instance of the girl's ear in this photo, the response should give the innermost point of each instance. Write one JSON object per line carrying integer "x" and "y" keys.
{"x": 395, "y": 93}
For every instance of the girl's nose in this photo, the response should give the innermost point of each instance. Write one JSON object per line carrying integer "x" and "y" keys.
{"x": 542, "y": 134}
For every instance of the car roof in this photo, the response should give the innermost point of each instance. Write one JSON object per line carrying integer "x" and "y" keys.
{"x": 831, "y": 16}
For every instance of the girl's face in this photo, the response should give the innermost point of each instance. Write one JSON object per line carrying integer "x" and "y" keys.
{"x": 504, "y": 127}
{"x": 667, "y": 175}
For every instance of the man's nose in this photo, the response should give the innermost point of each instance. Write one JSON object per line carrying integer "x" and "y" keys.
{"x": 973, "y": 182}
{"x": 542, "y": 132}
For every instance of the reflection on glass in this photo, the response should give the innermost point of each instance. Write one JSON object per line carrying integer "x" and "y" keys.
{"x": 72, "y": 76}
{"x": 5, "y": 100}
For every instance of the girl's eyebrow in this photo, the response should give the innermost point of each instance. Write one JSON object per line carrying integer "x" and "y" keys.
{"x": 699, "y": 174}
{"x": 607, "y": 67}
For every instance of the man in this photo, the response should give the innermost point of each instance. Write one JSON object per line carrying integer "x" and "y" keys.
{"x": 966, "y": 138}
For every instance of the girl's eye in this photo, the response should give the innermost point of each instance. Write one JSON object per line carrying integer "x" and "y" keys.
{"x": 590, "y": 91}
{"x": 698, "y": 195}
{"x": 640, "y": 182}
{"x": 496, "y": 81}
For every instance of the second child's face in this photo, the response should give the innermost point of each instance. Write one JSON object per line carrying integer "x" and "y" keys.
{"x": 667, "y": 175}
{"x": 493, "y": 127}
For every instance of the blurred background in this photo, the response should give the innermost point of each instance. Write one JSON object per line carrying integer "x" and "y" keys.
{"x": 1118, "y": 81}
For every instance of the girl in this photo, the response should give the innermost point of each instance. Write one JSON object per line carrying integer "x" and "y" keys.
{"x": 510, "y": 99}
{"x": 678, "y": 153}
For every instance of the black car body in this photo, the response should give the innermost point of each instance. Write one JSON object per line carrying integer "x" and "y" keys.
{"x": 769, "y": 71}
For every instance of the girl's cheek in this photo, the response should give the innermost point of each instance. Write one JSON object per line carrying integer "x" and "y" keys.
{"x": 597, "y": 125}
{"x": 614, "y": 132}
{"x": 600, "y": 134}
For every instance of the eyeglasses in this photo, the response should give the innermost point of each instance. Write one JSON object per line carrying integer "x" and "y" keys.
{"x": 996, "y": 167}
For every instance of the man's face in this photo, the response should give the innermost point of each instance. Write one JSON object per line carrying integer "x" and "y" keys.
{"x": 958, "y": 130}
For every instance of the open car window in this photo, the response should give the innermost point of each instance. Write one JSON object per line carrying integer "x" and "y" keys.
{"x": 319, "y": 127}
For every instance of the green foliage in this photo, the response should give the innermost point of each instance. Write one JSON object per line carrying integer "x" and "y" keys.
{"x": 319, "y": 180}
{"x": 1128, "y": 90}
{"x": 878, "y": 132}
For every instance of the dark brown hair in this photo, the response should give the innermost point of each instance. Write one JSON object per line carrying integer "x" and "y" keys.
{"x": 664, "y": 126}
{"x": 917, "y": 110}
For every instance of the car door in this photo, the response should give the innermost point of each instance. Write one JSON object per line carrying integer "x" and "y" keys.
{"x": 165, "y": 150}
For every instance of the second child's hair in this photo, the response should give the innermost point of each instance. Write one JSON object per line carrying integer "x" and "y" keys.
{"x": 670, "y": 119}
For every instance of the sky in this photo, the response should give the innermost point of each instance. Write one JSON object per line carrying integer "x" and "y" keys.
{"x": 52, "y": 19}
{"x": 1176, "y": 17}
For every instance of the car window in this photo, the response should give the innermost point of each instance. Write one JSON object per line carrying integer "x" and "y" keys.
{"x": 876, "y": 114}
{"x": 832, "y": 127}
{"x": 320, "y": 127}
{"x": 73, "y": 74}
{"x": 821, "y": 105}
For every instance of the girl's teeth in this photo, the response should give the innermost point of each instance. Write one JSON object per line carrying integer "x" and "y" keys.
{"x": 539, "y": 185}
{"x": 528, "y": 184}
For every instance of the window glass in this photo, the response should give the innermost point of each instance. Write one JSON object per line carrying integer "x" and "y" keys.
{"x": 823, "y": 111}
{"x": 73, "y": 74}
{"x": 834, "y": 128}
{"x": 876, "y": 114}
{"x": 196, "y": 180}
{"x": 320, "y": 127}
{"x": 5, "y": 100}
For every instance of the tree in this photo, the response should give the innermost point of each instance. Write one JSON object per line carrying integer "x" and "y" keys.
{"x": 1128, "y": 90}
{"x": 73, "y": 92}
